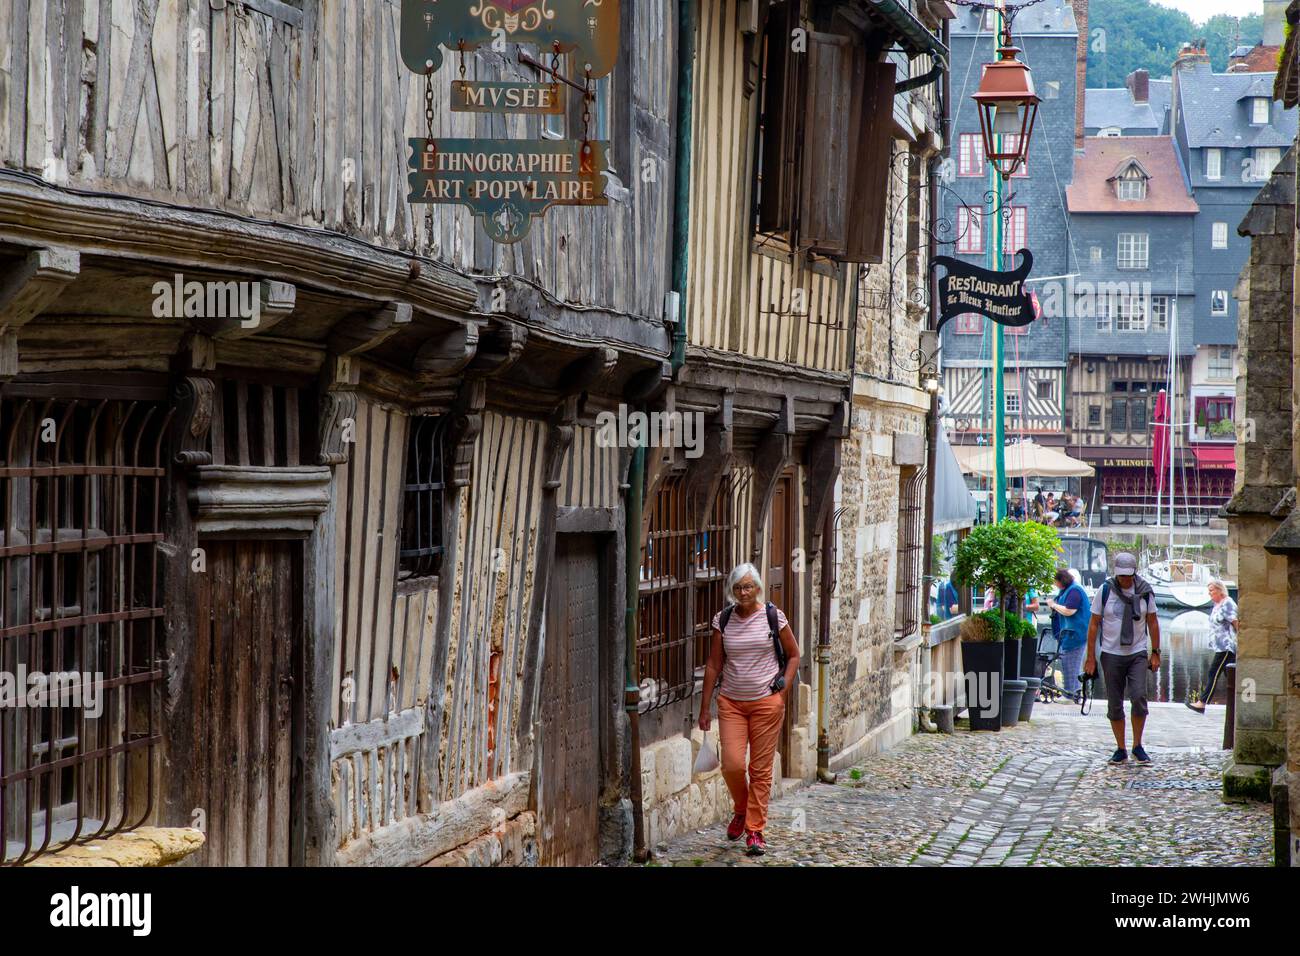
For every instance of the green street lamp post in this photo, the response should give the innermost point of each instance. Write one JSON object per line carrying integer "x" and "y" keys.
{"x": 1007, "y": 107}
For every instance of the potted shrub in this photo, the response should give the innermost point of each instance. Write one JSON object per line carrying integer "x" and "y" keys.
{"x": 1028, "y": 666}
{"x": 1011, "y": 557}
{"x": 981, "y": 661}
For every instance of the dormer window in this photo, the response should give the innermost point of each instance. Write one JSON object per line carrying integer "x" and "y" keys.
{"x": 1259, "y": 110}
{"x": 1111, "y": 132}
{"x": 1131, "y": 181}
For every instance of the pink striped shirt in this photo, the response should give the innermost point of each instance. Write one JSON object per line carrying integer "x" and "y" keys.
{"x": 749, "y": 665}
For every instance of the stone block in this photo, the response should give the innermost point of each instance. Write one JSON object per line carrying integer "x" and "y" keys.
{"x": 1268, "y": 676}
{"x": 670, "y": 819}
{"x": 647, "y": 777}
{"x": 652, "y": 828}
{"x": 1246, "y": 782}
{"x": 1252, "y": 642}
{"x": 672, "y": 767}
{"x": 1266, "y": 748}
{"x": 1256, "y": 714}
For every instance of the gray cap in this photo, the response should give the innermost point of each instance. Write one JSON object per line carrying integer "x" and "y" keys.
{"x": 1125, "y": 563}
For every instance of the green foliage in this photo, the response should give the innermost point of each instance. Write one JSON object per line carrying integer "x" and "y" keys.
{"x": 986, "y": 626}
{"x": 1007, "y": 556}
{"x": 1019, "y": 627}
{"x": 935, "y": 619}
{"x": 1142, "y": 34}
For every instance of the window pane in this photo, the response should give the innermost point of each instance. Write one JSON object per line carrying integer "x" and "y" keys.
{"x": 1213, "y": 164}
{"x": 1119, "y": 415}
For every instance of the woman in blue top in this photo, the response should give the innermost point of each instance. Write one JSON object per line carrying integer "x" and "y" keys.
{"x": 1070, "y": 611}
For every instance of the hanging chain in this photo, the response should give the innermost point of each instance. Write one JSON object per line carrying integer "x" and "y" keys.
{"x": 429, "y": 148}
{"x": 585, "y": 163}
{"x": 461, "y": 46}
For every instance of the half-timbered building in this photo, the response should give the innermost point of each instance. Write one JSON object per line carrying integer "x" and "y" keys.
{"x": 310, "y": 482}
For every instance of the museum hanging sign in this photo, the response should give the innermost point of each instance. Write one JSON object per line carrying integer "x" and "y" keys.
{"x": 999, "y": 296}
{"x": 508, "y": 183}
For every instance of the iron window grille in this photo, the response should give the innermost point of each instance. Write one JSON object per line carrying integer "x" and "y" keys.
{"x": 911, "y": 527}
{"x": 83, "y": 491}
{"x": 665, "y": 657}
{"x": 423, "y": 493}
{"x": 714, "y": 556}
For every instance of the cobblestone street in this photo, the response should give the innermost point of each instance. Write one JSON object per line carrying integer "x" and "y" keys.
{"x": 1037, "y": 794}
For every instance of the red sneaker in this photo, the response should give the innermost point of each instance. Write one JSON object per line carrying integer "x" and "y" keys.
{"x": 737, "y": 827}
{"x": 755, "y": 845}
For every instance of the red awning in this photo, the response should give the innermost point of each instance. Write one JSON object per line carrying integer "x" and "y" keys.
{"x": 1215, "y": 456}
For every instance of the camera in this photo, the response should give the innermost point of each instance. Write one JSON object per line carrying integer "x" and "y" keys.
{"x": 778, "y": 684}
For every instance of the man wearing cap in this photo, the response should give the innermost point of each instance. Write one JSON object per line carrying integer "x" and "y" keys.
{"x": 1125, "y": 614}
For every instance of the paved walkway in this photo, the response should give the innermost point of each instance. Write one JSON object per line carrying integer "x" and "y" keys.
{"x": 1038, "y": 794}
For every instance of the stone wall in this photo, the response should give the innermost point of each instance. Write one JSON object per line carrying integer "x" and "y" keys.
{"x": 1265, "y": 489}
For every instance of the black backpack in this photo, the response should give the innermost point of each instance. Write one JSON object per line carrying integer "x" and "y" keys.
{"x": 773, "y": 630}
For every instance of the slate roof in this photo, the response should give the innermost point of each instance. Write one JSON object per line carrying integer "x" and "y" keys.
{"x": 1050, "y": 16}
{"x": 1168, "y": 192}
{"x": 1104, "y": 107}
{"x": 1215, "y": 110}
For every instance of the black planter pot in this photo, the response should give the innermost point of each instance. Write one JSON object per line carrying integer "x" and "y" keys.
{"x": 1029, "y": 657}
{"x": 1013, "y": 692}
{"x": 982, "y": 663}
{"x": 1011, "y": 659}
{"x": 1031, "y": 692}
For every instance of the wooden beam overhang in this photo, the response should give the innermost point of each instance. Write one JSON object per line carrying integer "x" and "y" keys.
{"x": 363, "y": 331}
{"x": 26, "y": 289}
{"x": 821, "y": 469}
{"x": 706, "y": 473}
{"x": 774, "y": 453}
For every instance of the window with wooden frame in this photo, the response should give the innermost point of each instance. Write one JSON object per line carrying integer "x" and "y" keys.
{"x": 969, "y": 323}
{"x": 424, "y": 486}
{"x": 970, "y": 230}
{"x": 83, "y": 495}
{"x": 971, "y": 155}
{"x": 824, "y": 137}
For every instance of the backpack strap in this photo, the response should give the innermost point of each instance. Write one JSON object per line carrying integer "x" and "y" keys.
{"x": 722, "y": 627}
{"x": 775, "y": 631}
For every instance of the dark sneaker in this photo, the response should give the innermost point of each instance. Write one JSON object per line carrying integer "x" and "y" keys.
{"x": 1119, "y": 756}
{"x": 737, "y": 828}
{"x": 755, "y": 845}
{"x": 1140, "y": 755}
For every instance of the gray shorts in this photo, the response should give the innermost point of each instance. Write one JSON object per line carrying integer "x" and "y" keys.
{"x": 1125, "y": 672}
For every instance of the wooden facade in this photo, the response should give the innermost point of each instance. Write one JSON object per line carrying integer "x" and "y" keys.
{"x": 370, "y": 485}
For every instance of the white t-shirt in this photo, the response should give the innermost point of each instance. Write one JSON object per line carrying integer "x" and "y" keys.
{"x": 1112, "y": 621}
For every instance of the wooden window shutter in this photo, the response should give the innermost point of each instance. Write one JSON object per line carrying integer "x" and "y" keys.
{"x": 779, "y": 116}
{"x": 867, "y": 201}
{"x": 823, "y": 200}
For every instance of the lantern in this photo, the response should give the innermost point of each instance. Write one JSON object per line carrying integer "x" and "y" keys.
{"x": 1007, "y": 107}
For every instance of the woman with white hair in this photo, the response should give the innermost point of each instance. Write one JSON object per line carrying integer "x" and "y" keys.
{"x": 1223, "y": 640}
{"x": 754, "y": 651}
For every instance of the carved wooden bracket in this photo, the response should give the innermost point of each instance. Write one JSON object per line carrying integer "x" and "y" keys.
{"x": 771, "y": 458}
{"x": 449, "y": 353}
{"x": 363, "y": 331}
{"x": 338, "y": 409}
{"x": 463, "y": 430}
{"x": 705, "y": 476}
{"x": 194, "y": 405}
{"x": 499, "y": 348}
{"x": 26, "y": 291}
{"x": 588, "y": 372}
{"x": 823, "y": 468}
{"x": 646, "y": 385}
{"x": 275, "y": 301}
{"x": 559, "y": 440}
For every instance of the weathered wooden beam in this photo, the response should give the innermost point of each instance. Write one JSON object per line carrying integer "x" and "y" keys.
{"x": 646, "y": 385}
{"x": 705, "y": 475}
{"x": 771, "y": 458}
{"x": 26, "y": 291}
{"x": 466, "y": 423}
{"x": 227, "y": 317}
{"x": 499, "y": 348}
{"x": 589, "y": 372}
{"x": 447, "y": 353}
{"x": 363, "y": 331}
{"x": 823, "y": 468}
{"x": 339, "y": 377}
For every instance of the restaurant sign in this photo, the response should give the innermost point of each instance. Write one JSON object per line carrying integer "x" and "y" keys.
{"x": 999, "y": 296}
{"x": 507, "y": 182}
{"x": 586, "y": 28}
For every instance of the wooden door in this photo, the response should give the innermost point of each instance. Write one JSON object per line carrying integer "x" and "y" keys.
{"x": 247, "y": 672}
{"x": 781, "y": 584}
{"x": 569, "y": 776}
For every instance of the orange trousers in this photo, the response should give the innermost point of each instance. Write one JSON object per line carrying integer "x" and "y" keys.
{"x": 756, "y": 724}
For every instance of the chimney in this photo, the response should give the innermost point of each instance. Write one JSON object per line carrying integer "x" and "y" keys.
{"x": 1190, "y": 57}
{"x": 1139, "y": 86}
{"x": 1080, "y": 68}
{"x": 1274, "y": 21}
